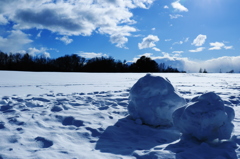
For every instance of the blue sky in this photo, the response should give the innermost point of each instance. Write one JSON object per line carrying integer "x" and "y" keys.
{"x": 177, "y": 30}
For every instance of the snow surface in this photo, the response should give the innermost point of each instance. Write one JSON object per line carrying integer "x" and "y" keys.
{"x": 85, "y": 116}
{"x": 152, "y": 101}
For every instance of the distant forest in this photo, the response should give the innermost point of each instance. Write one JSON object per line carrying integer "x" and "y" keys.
{"x": 75, "y": 63}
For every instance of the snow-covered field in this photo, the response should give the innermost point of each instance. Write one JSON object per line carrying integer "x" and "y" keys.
{"x": 85, "y": 116}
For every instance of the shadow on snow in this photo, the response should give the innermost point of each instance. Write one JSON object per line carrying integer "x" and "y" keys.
{"x": 126, "y": 136}
{"x": 188, "y": 148}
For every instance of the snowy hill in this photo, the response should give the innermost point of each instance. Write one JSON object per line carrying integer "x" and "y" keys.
{"x": 85, "y": 116}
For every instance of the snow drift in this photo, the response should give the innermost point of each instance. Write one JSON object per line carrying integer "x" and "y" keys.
{"x": 152, "y": 101}
{"x": 205, "y": 118}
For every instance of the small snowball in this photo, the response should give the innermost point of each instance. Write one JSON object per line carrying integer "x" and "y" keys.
{"x": 205, "y": 118}
{"x": 152, "y": 100}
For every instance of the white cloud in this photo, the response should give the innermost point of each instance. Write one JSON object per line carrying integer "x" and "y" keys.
{"x": 168, "y": 39}
{"x": 165, "y": 54}
{"x": 156, "y": 49}
{"x": 3, "y": 20}
{"x": 219, "y": 46}
{"x": 225, "y": 63}
{"x": 165, "y": 7}
{"x": 179, "y": 43}
{"x": 175, "y": 16}
{"x": 179, "y": 7}
{"x": 42, "y": 52}
{"x": 39, "y": 52}
{"x": 90, "y": 55}
{"x": 228, "y": 47}
{"x": 53, "y": 49}
{"x": 148, "y": 42}
{"x": 14, "y": 42}
{"x": 39, "y": 34}
{"x": 65, "y": 39}
{"x": 153, "y": 29}
{"x": 197, "y": 49}
{"x": 199, "y": 40}
{"x": 142, "y": 3}
{"x": 146, "y": 54}
{"x": 178, "y": 52}
{"x": 71, "y": 17}
{"x": 118, "y": 35}
{"x": 136, "y": 58}
{"x": 120, "y": 40}
{"x": 216, "y": 46}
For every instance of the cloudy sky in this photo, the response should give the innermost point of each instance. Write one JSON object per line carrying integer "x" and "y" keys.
{"x": 183, "y": 30}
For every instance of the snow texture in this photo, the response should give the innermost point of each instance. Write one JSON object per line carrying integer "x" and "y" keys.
{"x": 47, "y": 115}
{"x": 152, "y": 101}
{"x": 205, "y": 118}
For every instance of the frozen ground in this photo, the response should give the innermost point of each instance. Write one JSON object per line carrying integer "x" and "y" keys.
{"x": 84, "y": 116}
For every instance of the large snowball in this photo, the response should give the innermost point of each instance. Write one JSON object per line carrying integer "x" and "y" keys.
{"x": 152, "y": 101}
{"x": 205, "y": 118}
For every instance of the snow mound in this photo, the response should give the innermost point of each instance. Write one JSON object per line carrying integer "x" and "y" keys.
{"x": 152, "y": 101}
{"x": 205, "y": 118}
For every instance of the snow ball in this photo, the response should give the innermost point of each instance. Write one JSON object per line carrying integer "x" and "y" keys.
{"x": 205, "y": 118}
{"x": 152, "y": 100}
{"x": 138, "y": 121}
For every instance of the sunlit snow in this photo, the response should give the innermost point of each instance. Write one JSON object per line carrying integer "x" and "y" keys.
{"x": 85, "y": 116}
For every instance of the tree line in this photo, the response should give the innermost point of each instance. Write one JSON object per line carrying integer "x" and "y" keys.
{"x": 75, "y": 63}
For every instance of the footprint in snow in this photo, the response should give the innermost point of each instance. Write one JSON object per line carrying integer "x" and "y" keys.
{"x": 95, "y": 132}
{"x": 71, "y": 121}
{"x": 2, "y": 125}
{"x": 5, "y": 107}
{"x": 74, "y": 104}
{"x": 43, "y": 143}
{"x": 234, "y": 100}
{"x": 13, "y": 120}
{"x": 56, "y": 109}
{"x": 103, "y": 108}
{"x": 18, "y": 99}
{"x": 34, "y": 104}
{"x": 40, "y": 99}
{"x": 20, "y": 130}
{"x": 13, "y": 139}
{"x": 68, "y": 121}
